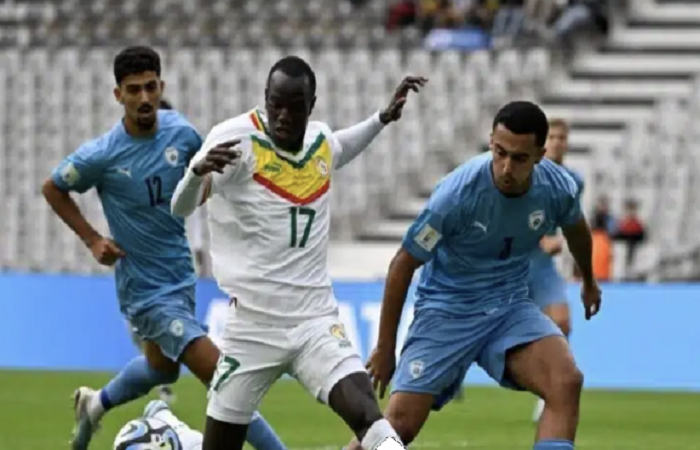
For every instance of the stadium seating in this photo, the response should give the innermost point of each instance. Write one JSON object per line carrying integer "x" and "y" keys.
{"x": 624, "y": 103}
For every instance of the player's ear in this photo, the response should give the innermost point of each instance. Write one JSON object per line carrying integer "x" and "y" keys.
{"x": 162, "y": 86}
{"x": 312, "y": 104}
{"x": 118, "y": 95}
{"x": 540, "y": 154}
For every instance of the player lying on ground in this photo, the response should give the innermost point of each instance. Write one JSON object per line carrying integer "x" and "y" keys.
{"x": 269, "y": 176}
{"x": 474, "y": 239}
{"x": 135, "y": 168}
{"x": 547, "y": 287}
{"x": 158, "y": 429}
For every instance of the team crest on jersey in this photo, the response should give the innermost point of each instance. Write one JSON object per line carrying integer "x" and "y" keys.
{"x": 338, "y": 332}
{"x": 171, "y": 155}
{"x": 321, "y": 166}
{"x": 536, "y": 219}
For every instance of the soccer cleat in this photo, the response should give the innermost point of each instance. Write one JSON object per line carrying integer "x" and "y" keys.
{"x": 154, "y": 407}
{"x": 84, "y": 428}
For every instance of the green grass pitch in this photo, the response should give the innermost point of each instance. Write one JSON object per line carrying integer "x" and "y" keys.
{"x": 36, "y": 414}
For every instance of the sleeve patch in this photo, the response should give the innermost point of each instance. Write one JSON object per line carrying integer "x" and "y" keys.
{"x": 427, "y": 238}
{"x": 69, "y": 174}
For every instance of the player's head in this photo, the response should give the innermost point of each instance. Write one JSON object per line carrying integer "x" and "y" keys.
{"x": 139, "y": 87}
{"x": 165, "y": 104}
{"x": 557, "y": 140}
{"x": 517, "y": 143}
{"x": 290, "y": 96}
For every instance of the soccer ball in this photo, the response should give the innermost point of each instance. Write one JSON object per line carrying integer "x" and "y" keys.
{"x": 147, "y": 434}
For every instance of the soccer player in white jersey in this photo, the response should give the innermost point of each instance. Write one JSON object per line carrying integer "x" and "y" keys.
{"x": 269, "y": 175}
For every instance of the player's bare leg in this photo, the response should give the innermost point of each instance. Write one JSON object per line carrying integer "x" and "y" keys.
{"x": 353, "y": 399}
{"x": 407, "y": 412}
{"x": 547, "y": 369}
{"x": 561, "y": 316}
{"x": 220, "y": 435}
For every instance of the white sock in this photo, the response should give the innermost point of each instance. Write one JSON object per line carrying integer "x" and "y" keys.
{"x": 539, "y": 407}
{"x": 95, "y": 410}
{"x": 378, "y": 433}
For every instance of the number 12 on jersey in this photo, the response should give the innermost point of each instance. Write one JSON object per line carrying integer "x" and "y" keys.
{"x": 296, "y": 215}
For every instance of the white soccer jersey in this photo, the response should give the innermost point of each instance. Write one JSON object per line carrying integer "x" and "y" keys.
{"x": 269, "y": 220}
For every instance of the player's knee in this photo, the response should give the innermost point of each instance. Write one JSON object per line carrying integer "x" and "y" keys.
{"x": 559, "y": 313}
{"x": 566, "y": 383}
{"x": 564, "y": 325}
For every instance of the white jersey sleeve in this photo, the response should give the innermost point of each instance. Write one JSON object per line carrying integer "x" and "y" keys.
{"x": 234, "y": 129}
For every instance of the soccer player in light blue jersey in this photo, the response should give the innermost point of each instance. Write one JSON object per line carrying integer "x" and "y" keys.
{"x": 547, "y": 286}
{"x": 474, "y": 240}
{"x": 134, "y": 168}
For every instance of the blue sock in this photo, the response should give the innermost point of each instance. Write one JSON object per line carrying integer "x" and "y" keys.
{"x": 554, "y": 444}
{"x": 261, "y": 435}
{"x": 135, "y": 380}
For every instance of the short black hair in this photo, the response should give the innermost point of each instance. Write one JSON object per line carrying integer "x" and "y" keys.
{"x": 522, "y": 117}
{"x": 133, "y": 60}
{"x": 294, "y": 66}
{"x": 164, "y": 104}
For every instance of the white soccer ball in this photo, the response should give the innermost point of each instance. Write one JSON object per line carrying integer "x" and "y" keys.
{"x": 147, "y": 434}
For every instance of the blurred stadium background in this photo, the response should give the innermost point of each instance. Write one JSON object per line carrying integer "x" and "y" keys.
{"x": 624, "y": 74}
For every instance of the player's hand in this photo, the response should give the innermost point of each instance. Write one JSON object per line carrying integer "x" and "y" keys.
{"x": 216, "y": 160}
{"x": 551, "y": 245}
{"x": 106, "y": 251}
{"x": 393, "y": 112}
{"x": 381, "y": 367}
{"x": 591, "y": 297}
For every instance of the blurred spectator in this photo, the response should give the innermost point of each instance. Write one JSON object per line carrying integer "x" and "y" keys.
{"x": 508, "y": 22}
{"x": 540, "y": 14}
{"x": 601, "y": 212}
{"x": 401, "y": 14}
{"x": 630, "y": 230}
{"x": 441, "y": 14}
{"x": 602, "y": 248}
{"x": 579, "y": 15}
{"x": 480, "y": 13}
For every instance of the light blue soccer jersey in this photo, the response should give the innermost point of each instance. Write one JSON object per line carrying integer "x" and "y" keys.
{"x": 135, "y": 179}
{"x": 477, "y": 243}
{"x": 540, "y": 259}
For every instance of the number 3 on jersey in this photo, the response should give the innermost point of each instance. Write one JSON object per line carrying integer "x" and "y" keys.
{"x": 296, "y": 215}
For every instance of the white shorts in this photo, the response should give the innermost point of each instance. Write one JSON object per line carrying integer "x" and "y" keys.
{"x": 317, "y": 353}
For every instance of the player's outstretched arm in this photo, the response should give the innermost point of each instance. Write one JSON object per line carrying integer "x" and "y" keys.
{"x": 382, "y": 362}
{"x": 195, "y": 187}
{"x": 355, "y": 139}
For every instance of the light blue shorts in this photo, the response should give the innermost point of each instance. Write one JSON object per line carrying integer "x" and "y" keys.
{"x": 171, "y": 323}
{"x": 440, "y": 347}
